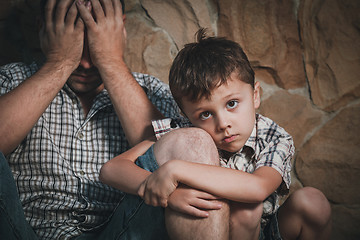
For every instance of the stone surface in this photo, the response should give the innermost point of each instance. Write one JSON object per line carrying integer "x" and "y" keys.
{"x": 306, "y": 54}
{"x": 150, "y": 49}
{"x": 267, "y": 30}
{"x": 293, "y": 112}
{"x": 181, "y": 19}
{"x": 331, "y": 35}
{"x": 346, "y": 221}
{"x": 330, "y": 160}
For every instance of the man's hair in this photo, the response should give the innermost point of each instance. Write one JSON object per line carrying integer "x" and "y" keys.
{"x": 43, "y": 3}
{"x": 202, "y": 66}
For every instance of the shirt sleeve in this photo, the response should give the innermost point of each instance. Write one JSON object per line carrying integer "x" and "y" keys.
{"x": 163, "y": 126}
{"x": 159, "y": 94}
{"x": 277, "y": 153}
{"x": 5, "y": 81}
{"x": 13, "y": 74}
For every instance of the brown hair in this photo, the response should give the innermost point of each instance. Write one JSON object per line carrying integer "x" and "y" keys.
{"x": 205, "y": 64}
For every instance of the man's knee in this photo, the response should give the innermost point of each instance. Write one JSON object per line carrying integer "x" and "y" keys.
{"x": 190, "y": 144}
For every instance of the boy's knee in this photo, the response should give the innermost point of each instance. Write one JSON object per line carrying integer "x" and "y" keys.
{"x": 246, "y": 216}
{"x": 190, "y": 144}
{"x": 312, "y": 204}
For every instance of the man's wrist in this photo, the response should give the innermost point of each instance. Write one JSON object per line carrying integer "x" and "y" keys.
{"x": 113, "y": 71}
{"x": 57, "y": 70}
{"x": 61, "y": 65}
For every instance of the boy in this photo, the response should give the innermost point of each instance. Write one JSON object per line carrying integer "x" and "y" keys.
{"x": 213, "y": 84}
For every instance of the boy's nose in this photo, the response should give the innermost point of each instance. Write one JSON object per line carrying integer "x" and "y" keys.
{"x": 223, "y": 123}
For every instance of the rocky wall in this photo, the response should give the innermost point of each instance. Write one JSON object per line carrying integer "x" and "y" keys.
{"x": 306, "y": 55}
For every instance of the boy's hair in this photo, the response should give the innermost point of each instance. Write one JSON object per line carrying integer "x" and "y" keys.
{"x": 43, "y": 3}
{"x": 202, "y": 66}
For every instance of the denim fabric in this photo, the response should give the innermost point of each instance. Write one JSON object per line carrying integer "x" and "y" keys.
{"x": 13, "y": 224}
{"x": 135, "y": 220}
{"x": 131, "y": 220}
{"x": 271, "y": 230}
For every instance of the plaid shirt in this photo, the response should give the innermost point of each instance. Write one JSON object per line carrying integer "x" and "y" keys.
{"x": 268, "y": 145}
{"x": 56, "y": 167}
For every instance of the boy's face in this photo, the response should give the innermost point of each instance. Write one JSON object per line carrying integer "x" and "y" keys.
{"x": 228, "y": 115}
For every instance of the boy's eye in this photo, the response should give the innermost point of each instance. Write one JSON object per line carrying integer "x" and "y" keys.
{"x": 232, "y": 104}
{"x": 205, "y": 115}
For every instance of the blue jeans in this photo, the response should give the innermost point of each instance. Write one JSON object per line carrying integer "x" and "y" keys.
{"x": 132, "y": 219}
{"x": 13, "y": 224}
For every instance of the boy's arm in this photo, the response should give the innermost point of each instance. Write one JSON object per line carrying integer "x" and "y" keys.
{"x": 223, "y": 182}
{"x": 122, "y": 173}
{"x": 273, "y": 166}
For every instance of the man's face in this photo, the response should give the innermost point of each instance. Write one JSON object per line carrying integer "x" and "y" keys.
{"x": 228, "y": 115}
{"x": 86, "y": 77}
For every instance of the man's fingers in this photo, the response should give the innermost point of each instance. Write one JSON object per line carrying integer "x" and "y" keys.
{"x": 49, "y": 13}
{"x": 85, "y": 14}
{"x": 98, "y": 10}
{"x": 117, "y": 8}
{"x": 108, "y": 8}
{"x": 62, "y": 8}
{"x": 71, "y": 15}
{"x": 79, "y": 26}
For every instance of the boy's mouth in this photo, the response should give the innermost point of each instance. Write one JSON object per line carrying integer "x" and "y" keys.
{"x": 230, "y": 138}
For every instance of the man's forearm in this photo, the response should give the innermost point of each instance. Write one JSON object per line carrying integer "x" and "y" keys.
{"x": 131, "y": 103}
{"x": 106, "y": 36}
{"x": 23, "y": 106}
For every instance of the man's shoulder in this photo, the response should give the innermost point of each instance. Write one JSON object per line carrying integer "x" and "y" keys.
{"x": 144, "y": 77}
{"x": 19, "y": 69}
{"x": 147, "y": 80}
{"x": 13, "y": 74}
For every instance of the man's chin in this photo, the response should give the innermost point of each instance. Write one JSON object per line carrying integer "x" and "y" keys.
{"x": 79, "y": 86}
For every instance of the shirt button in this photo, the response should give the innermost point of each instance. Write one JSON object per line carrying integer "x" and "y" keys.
{"x": 80, "y": 135}
{"x": 82, "y": 172}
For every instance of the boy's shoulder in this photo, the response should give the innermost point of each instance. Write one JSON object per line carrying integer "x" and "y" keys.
{"x": 268, "y": 130}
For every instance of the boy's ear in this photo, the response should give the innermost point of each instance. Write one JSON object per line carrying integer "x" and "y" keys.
{"x": 257, "y": 99}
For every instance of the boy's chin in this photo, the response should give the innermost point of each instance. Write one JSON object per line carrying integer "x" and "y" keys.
{"x": 229, "y": 151}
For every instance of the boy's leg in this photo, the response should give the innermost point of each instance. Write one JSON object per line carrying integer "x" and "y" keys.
{"x": 245, "y": 220}
{"x": 306, "y": 214}
{"x": 13, "y": 224}
{"x": 195, "y": 145}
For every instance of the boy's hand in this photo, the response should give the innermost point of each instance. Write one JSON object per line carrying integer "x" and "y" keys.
{"x": 157, "y": 187}
{"x": 61, "y": 34}
{"x": 193, "y": 202}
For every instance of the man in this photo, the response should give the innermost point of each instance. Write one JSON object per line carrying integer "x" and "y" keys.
{"x": 63, "y": 119}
